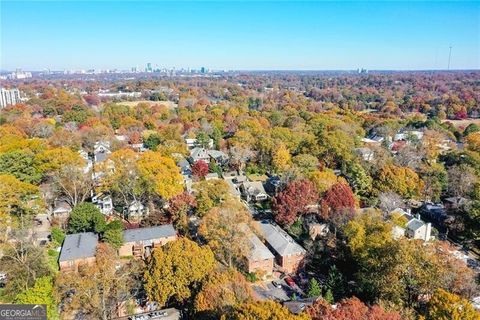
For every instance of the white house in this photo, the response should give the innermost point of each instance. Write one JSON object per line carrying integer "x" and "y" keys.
{"x": 101, "y": 150}
{"x": 253, "y": 191}
{"x": 415, "y": 228}
{"x": 104, "y": 203}
{"x": 136, "y": 209}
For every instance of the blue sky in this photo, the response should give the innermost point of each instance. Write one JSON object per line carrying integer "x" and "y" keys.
{"x": 239, "y": 35}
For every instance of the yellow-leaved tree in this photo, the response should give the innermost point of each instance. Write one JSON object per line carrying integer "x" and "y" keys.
{"x": 281, "y": 159}
{"x": 263, "y": 310}
{"x": 160, "y": 175}
{"x": 175, "y": 268}
{"x": 448, "y": 306}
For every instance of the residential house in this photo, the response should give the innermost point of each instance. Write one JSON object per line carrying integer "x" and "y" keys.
{"x": 61, "y": 211}
{"x": 434, "y": 212}
{"x": 455, "y": 203}
{"x": 88, "y": 161}
{"x": 185, "y": 168}
{"x": 407, "y": 135}
{"x": 259, "y": 259}
{"x": 101, "y": 150}
{"x": 193, "y": 143}
{"x": 253, "y": 191}
{"x": 140, "y": 242}
{"x": 135, "y": 210}
{"x": 103, "y": 202}
{"x": 273, "y": 185}
{"x": 414, "y": 228}
{"x": 367, "y": 154}
{"x": 212, "y": 176}
{"x": 78, "y": 250}
{"x": 289, "y": 254}
{"x": 198, "y": 153}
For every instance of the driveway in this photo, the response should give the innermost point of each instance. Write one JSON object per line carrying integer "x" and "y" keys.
{"x": 266, "y": 290}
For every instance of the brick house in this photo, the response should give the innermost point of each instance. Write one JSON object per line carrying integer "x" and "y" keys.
{"x": 288, "y": 254}
{"x": 78, "y": 250}
{"x": 260, "y": 259}
{"x": 140, "y": 242}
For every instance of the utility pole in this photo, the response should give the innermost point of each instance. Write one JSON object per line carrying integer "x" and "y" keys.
{"x": 449, "y": 57}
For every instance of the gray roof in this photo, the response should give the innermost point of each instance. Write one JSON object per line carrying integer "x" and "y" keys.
{"x": 79, "y": 245}
{"x": 143, "y": 234}
{"x": 253, "y": 187}
{"x": 101, "y": 156}
{"x": 415, "y": 224}
{"x": 217, "y": 154}
{"x": 279, "y": 240}
{"x": 183, "y": 164}
{"x": 199, "y": 153}
{"x": 258, "y": 250}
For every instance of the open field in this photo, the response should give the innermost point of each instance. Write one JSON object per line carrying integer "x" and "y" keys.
{"x": 169, "y": 104}
{"x": 463, "y": 123}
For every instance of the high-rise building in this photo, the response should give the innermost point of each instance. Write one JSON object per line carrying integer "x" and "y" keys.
{"x": 9, "y": 97}
{"x": 149, "y": 67}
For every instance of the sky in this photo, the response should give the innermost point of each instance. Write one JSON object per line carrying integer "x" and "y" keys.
{"x": 281, "y": 35}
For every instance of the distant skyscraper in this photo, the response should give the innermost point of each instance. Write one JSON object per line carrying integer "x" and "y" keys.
{"x": 149, "y": 67}
{"x": 9, "y": 97}
{"x": 203, "y": 70}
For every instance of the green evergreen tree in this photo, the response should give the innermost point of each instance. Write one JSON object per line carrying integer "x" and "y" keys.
{"x": 314, "y": 289}
{"x": 329, "y": 296}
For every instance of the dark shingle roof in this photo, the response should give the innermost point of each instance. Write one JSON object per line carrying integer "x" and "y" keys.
{"x": 79, "y": 245}
{"x": 143, "y": 234}
{"x": 279, "y": 240}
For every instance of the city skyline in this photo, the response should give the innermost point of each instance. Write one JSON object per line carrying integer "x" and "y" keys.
{"x": 234, "y": 36}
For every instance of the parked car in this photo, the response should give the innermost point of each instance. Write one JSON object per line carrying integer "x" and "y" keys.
{"x": 276, "y": 284}
{"x": 290, "y": 282}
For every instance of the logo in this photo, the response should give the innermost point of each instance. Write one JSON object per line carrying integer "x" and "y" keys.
{"x": 23, "y": 312}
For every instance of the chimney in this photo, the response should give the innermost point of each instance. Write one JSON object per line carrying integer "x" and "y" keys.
{"x": 428, "y": 231}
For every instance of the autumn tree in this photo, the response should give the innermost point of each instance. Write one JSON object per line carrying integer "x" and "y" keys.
{"x": 262, "y": 310}
{"x": 220, "y": 291}
{"x": 23, "y": 262}
{"x": 209, "y": 194}
{"x": 160, "y": 175}
{"x": 225, "y": 228}
{"x": 72, "y": 182}
{"x": 97, "y": 290}
{"x": 306, "y": 163}
{"x": 349, "y": 309}
{"x": 473, "y": 141}
{"x": 461, "y": 179}
{"x": 338, "y": 203}
{"x": 281, "y": 159}
{"x": 401, "y": 180}
{"x": 294, "y": 200}
{"x": 200, "y": 169}
{"x": 124, "y": 181}
{"x": 179, "y": 208}
{"x": 444, "y": 305}
{"x": 20, "y": 164}
{"x": 43, "y": 292}
{"x": 324, "y": 180}
{"x": 55, "y": 159}
{"x": 17, "y": 199}
{"x": 404, "y": 269}
{"x": 173, "y": 269}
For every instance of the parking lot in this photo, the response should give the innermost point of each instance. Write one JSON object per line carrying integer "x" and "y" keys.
{"x": 267, "y": 290}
